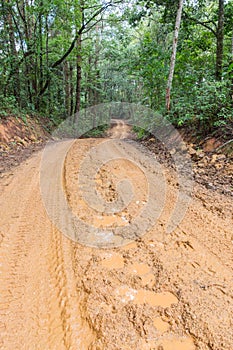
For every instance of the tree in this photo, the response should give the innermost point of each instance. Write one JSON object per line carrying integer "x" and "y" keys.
{"x": 14, "y": 71}
{"x": 220, "y": 38}
{"x": 38, "y": 47}
{"x": 173, "y": 56}
{"x": 217, "y": 29}
{"x": 85, "y": 27}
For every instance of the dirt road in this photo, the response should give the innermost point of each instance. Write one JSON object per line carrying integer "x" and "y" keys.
{"x": 119, "y": 130}
{"x": 162, "y": 291}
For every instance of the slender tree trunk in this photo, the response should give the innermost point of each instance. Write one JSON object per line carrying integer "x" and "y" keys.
{"x": 47, "y": 65}
{"x": 231, "y": 72}
{"x": 90, "y": 91}
{"x": 79, "y": 60}
{"x": 79, "y": 75}
{"x": 96, "y": 65}
{"x": 67, "y": 86}
{"x": 220, "y": 38}
{"x": 97, "y": 72}
{"x": 22, "y": 7}
{"x": 71, "y": 87}
{"x": 30, "y": 40}
{"x": 173, "y": 56}
{"x": 13, "y": 51}
{"x": 232, "y": 46}
{"x": 41, "y": 72}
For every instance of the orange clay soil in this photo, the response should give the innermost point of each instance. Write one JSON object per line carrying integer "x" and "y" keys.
{"x": 162, "y": 291}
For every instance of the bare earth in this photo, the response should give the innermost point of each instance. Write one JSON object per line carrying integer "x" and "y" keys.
{"x": 162, "y": 291}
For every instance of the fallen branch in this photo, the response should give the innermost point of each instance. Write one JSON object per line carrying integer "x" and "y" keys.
{"x": 225, "y": 144}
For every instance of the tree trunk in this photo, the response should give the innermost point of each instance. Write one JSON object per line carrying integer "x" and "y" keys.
{"x": 173, "y": 56}
{"x": 41, "y": 74}
{"x": 14, "y": 54}
{"x": 97, "y": 72}
{"x": 220, "y": 37}
{"x": 89, "y": 83}
{"x": 71, "y": 90}
{"x": 79, "y": 75}
{"x": 49, "y": 104}
{"x": 231, "y": 71}
{"x": 79, "y": 60}
{"x": 30, "y": 40}
{"x": 67, "y": 86}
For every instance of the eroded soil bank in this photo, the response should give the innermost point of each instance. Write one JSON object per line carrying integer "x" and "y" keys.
{"x": 20, "y": 138}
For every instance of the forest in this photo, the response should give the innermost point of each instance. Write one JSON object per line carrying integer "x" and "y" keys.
{"x": 175, "y": 57}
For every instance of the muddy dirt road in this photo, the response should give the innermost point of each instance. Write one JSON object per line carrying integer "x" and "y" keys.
{"x": 161, "y": 291}
{"x": 119, "y": 130}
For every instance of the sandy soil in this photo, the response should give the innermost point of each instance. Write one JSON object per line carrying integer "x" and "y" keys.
{"x": 162, "y": 291}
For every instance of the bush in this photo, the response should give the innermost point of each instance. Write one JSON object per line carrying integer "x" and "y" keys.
{"x": 96, "y": 132}
{"x": 207, "y": 106}
{"x": 140, "y": 132}
{"x": 8, "y": 106}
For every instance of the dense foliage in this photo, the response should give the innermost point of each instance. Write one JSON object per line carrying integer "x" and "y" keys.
{"x": 60, "y": 56}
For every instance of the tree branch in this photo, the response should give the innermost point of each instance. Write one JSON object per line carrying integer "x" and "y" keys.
{"x": 204, "y": 24}
{"x": 72, "y": 45}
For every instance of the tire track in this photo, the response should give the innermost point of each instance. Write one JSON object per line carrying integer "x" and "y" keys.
{"x": 40, "y": 306}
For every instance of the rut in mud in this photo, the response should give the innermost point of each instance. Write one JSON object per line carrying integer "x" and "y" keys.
{"x": 162, "y": 291}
